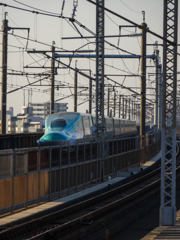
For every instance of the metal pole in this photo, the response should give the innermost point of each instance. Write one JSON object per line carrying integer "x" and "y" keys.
{"x": 168, "y": 141}
{"x": 100, "y": 124}
{"x": 123, "y": 109}
{"x": 108, "y": 102}
{"x": 52, "y": 79}
{"x": 129, "y": 110}
{"x": 75, "y": 89}
{"x": 90, "y": 93}
{"x": 4, "y": 75}
{"x": 126, "y": 109}
{"x": 100, "y": 70}
{"x": 132, "y": 112}
{"x": 160, "y": 98}
{"x": 143, "y": 79}
{"x": 119, "y": 106}
{"x": 156, "y": 91}
{"x": 114, "y": 103}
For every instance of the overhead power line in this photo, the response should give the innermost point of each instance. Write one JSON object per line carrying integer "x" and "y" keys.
{"x": 37, "y": 12}
{"x": 135, "y": 24}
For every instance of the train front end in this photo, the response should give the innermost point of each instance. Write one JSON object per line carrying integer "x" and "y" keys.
{"x": 55, "y": 132}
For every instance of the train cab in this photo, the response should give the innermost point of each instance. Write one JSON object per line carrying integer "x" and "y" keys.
{"x": 58, "y": 124}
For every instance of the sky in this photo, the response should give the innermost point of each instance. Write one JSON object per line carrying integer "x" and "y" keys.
{"x": 45, "y": 29}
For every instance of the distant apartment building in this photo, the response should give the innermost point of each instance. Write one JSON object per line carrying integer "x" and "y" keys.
{"x": 43, "y": 109}
{"x": 9, "y": 112}
{"x": 32, "y": 118}
{"x": 35, "y": 127}
{"x": 8, "y": 117}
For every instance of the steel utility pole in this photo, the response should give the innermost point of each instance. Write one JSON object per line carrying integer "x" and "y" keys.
{"x": 132, "y": 111}
{"x": 5, "y": 29}
{"x": 108, "y": 99}
{"x": 143, "y": 77}
{"x": 119, "y": 106}
{"x": 114, "y": 103}
{"x": 4, "y": 74}
{"x": 168, "y": 139}
{"x": 90, "y": 93}
{"x": 100, "y": 125}
{"x": 126, "y": 108}
{"x": 129, "y": 108}
{"x": 123, "y": 108}
{"x": 156, "y": 90}
{"x": 160, "y": 97}
{"x": 52, "y": 79}
{"x": 75, "y": 89}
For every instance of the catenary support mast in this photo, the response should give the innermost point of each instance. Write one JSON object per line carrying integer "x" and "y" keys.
{"x": 4, "y": 75}
{"x": 75, "y": 89}
{"x": 52, "y": 80}
{"x": 100, "y": 70}
{"x": 143, "y": 78}
{"x": 100, "y": 125}
{"x": 168, "y": 164}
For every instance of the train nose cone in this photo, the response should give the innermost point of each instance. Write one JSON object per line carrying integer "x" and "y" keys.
{"x": 53, "y": 138}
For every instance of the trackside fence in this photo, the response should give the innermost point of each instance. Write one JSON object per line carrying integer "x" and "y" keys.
{"x": 19, "y": 140}
{"x": 36, "y": 175}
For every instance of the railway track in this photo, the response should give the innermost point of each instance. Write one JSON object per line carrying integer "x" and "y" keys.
{"x": 84, "y": 219}
{"x": 75, "y": 221}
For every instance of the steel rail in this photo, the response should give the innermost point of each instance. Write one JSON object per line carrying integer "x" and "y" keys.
{"x": 62, "y": 222}
{"x": 80, "y": 225}
{"x": 21, "y": 230}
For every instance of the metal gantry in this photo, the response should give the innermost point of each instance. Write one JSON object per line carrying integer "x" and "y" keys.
{"x": 168, "y": 172}
{"x": 100, "y": 70}
{"x": 100, "y": 124}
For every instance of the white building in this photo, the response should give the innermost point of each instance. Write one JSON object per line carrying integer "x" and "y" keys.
{"x": 35, "y": 127}
{"x": 32, "y": 118}
{"x": 43, "y": 109}
{"x": 7, "y": 121}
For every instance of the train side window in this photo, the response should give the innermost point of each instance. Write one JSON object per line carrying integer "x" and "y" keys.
{"x": 116, "y": 126}
{"x": 122, "y": 126}
{"x": 87, "y": 130}
{"x": 94, "y": 120}
{"x": 125, "y": 126}
{"x": 78, "y": 127}
{"x": 90, "y": 120}
{"x": 109, "y": 124}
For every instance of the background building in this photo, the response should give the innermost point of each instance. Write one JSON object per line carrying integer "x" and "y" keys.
{"x": 43, "y": 109}
{"x": 32, "y": 118}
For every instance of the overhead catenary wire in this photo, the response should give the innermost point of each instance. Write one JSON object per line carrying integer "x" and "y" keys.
{"x": 89, "y": 60}
{"x": 37, "y": 12}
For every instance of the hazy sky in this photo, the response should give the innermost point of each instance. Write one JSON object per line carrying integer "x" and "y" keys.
{"x": 46, "y": 29}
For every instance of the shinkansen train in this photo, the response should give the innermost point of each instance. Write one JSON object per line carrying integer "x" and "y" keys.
{"x": 72, "y": 127}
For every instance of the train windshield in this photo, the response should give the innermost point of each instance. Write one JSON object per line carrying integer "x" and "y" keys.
{"x": 58, "y": 123}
